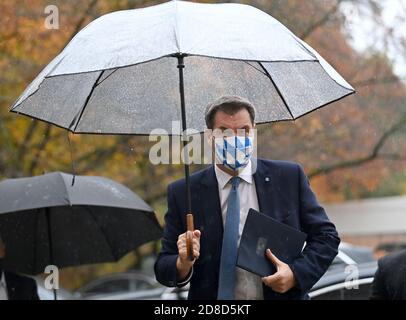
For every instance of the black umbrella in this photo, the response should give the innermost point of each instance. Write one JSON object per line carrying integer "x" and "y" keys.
{"x": 44, "y": 220}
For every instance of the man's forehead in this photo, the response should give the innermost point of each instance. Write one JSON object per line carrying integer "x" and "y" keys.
{"x": 240, "y": 118}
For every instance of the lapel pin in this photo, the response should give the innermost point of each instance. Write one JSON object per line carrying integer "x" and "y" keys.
{"x": 267, "y": 179}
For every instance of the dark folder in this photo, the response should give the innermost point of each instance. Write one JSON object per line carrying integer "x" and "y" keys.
{"x": 262, "y": 232}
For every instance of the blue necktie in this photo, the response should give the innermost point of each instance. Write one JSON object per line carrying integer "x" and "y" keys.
{"x": 229, "y": 249}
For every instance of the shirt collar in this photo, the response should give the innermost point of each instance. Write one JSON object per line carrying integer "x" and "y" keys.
{"x": 223, "y": 177}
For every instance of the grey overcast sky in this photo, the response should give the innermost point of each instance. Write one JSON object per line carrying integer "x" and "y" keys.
{"x": 367, "y": 33}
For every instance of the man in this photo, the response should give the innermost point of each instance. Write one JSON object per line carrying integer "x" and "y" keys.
{"x": 390, "y": 278}
{"x": 14, "y": 286}
{"x": 279, "y": 189}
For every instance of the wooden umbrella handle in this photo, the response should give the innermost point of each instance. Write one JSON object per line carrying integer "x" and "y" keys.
{"x": 189, "y": 236}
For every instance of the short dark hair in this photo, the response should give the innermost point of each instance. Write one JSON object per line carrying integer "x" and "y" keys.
{"x": 229, "y": 105}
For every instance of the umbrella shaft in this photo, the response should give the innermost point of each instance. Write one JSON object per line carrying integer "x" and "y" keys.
{"x": 51, "y": 250}
{"x": 48, "y": 218}
{"x": 181, "y": 66}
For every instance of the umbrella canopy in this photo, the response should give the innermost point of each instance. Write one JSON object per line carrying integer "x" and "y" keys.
{"x": 45, "y": 220}
{"x": 119, "y": 74}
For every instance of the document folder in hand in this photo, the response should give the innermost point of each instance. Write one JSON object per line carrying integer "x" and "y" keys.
{"x": 262, "y": 232}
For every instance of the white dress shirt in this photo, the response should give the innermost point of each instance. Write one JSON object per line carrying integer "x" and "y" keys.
{"x": 3, "y": 287}
{"x": 248, "y": 286}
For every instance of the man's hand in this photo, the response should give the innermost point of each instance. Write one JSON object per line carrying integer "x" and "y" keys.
{"x": 183, "y": 264}
{"x": 283, "y": 279}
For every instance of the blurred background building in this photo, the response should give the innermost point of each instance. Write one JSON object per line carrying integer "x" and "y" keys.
{"x": 379, "y": 223}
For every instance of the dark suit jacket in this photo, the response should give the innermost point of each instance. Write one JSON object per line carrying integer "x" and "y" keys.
{"x": 283, "y": 193}
{"x": 20, "y": 287}
{"x": 390, "y": 278}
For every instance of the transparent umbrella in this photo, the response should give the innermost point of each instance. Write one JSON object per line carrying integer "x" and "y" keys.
{"x": 129, "y": 72}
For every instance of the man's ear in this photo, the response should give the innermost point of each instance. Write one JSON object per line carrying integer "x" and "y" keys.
{"x": 253, "y": 128}
{"x": 208, "y": 135}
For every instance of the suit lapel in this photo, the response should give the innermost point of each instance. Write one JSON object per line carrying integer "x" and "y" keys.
{"x": 263, "y": 185}
{"x": 268, "y": 186}
{"x": 211, "y": 202}
{"x": 213, "y": 221}
{"x": 11, "y": 286}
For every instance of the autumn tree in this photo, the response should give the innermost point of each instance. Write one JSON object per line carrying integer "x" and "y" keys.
{"x": 350, "y": 149}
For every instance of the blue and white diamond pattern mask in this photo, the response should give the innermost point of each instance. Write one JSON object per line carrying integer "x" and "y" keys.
{"x": 234, "y": 151}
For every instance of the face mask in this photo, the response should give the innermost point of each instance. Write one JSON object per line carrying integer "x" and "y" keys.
{"x": 234, "y": 152}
